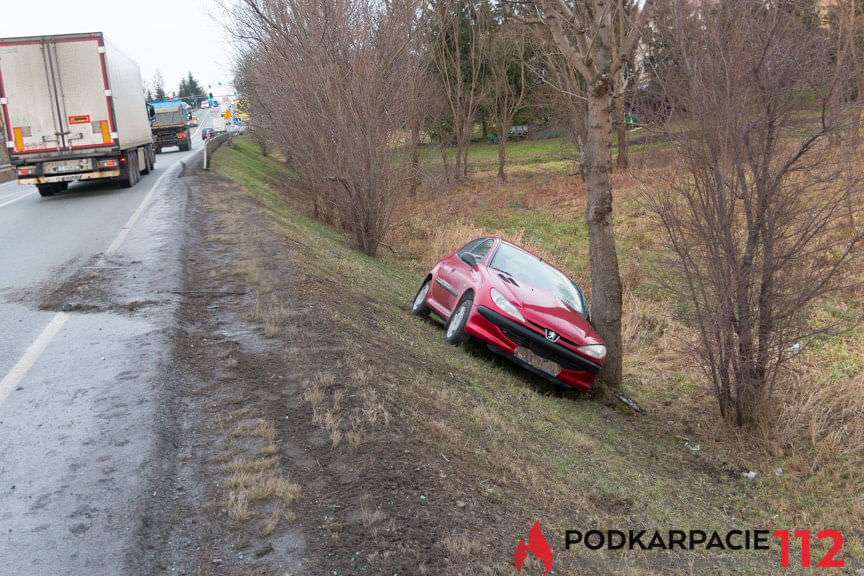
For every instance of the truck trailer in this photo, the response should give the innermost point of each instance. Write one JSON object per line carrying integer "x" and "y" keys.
{"x": 74, "y": 109}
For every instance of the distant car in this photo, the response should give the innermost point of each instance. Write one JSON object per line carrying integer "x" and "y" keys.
{"x": 520, "y": 306}
{"x": 192, "y": 122}
{"x": 205, "y": 105}
{"x": 207, "y": 133}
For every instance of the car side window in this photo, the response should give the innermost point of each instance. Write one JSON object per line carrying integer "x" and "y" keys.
{"x": 482, "y": 249}
{"x": 469, "y": 248}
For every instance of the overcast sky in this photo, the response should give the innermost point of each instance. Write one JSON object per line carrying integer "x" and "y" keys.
{"x": 175, "y": 36}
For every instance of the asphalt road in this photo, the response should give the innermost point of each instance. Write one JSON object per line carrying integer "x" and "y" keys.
{"x": 79, "y": 389}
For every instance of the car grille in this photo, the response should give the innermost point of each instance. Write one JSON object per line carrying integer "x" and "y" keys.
{"x": 544, "y": 351}
{"x": 560, "y": 338}
{"x": 523, "y": 336}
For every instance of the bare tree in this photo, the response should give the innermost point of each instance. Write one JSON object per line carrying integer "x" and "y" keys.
{"x": 563, "y": 93}
{"x": 335, "y": 81}
{"x": 508, "y": 83}
{"x": 621, "y": 28}
{"x": 754, "y": 211}
{"x": 459, "y": 39}
{"x": 584, "y": 32}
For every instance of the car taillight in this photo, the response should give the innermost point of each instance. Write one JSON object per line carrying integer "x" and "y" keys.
{"x": 26, "y": 171}
{"x": 112, "y": 163}
{"x": 181, "y": 135}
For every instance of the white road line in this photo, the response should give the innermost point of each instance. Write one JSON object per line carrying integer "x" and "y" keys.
{"x": 15, "y": 190}
{"x": 14, "y": 377}
{"x": 118, "y": 240}
{"x": 24, "y": 194}
{"x": 35, "y": 350}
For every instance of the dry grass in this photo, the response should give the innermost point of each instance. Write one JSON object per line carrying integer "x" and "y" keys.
{"x": 349, "y": 413}
{"x": 255, "y": 484}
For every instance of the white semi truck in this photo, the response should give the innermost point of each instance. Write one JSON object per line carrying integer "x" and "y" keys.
{"x": 73, "y": 109}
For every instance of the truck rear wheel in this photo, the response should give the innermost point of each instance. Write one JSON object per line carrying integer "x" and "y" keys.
{"x": 148, "y": 161}
{"x": 133, "y": 174}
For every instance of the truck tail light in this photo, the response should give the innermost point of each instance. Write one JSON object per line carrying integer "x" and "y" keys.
{"x": 181, "y": 135}
{"x": 112, "y": 163}
{"x": 26, "y": 171}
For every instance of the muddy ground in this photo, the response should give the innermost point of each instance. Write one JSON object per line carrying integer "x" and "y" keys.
{"x": 287, "y": 447}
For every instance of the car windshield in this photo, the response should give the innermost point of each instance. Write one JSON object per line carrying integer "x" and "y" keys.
{"x": 531, "y": 270}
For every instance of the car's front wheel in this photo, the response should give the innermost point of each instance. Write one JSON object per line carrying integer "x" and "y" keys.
{"x": 420, "y": 308}
{"x": 456, "y": 324}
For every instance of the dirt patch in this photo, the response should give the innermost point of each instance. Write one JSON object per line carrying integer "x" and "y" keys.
{"x": 372, "y": 498}
{"x": 294, "y": 449}
{"x": 313, "y": 429}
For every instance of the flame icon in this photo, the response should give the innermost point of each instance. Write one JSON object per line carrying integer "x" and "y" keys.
{"x": 538, "y": 546}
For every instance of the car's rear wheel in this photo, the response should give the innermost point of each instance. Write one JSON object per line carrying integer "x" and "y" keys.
{"x": 420, "y": 308}
{"x": 456, "y": 324}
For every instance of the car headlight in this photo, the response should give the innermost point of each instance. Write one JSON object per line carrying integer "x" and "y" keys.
{"x": 596, "y": 351}
{"x": 505, "y": 304}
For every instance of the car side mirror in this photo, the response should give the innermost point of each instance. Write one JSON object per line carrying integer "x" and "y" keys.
{"x": 470, "y": 260}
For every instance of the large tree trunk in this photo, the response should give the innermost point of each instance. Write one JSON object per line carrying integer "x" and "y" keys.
{"x": 605, "y": 279}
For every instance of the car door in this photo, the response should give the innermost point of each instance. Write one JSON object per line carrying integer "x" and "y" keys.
{"x": 462, "y": 275}
{"x": 443, "y": 290}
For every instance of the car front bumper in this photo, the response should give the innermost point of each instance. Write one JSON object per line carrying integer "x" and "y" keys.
{"x": 505, "y": 335}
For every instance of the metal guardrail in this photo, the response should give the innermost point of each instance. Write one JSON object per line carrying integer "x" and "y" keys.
{"x": 213, "y": 144}
{"x": 5, "y": 167}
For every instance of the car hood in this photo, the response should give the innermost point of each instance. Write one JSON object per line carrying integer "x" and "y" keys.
{"x": 546, "y": 310}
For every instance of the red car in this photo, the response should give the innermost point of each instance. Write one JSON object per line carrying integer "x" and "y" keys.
{"x": 519, "y": 305}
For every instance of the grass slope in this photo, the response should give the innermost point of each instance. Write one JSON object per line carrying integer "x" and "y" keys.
{"x": 570, "y": 462}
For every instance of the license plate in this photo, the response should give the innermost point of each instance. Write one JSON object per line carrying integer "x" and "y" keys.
{"x": 532, "y": 359}
{"x": 73, "y": 166}
{"x": 65, "y": 178}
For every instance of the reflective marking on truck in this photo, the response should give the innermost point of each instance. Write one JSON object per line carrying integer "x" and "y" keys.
{"x": 19, "y": 138}
{"x": 80, "y": 119}
{"x": 106, "y": 132}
